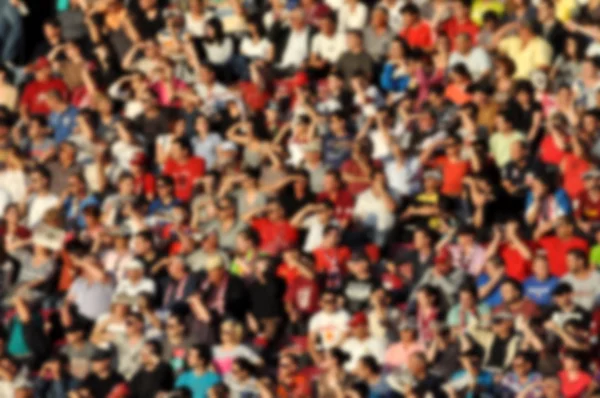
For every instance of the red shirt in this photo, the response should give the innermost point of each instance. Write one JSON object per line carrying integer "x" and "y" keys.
{"x": 350, "y": 166}
{"x": 574, "y": 168}
{"x": 453, "y": 27}
{"x": 144, "y": 184}
{"x": 34, "y": 93}
{"x": 184, "y": 175}
{"x": 343, "y": 202}
{"x": 303, "y": 294}
{"x": 574, "y": 388}
{"x": 419, "y": 35}
{"x": 253, "y": 96}
{"x": 453, "y": 173}
{"x": 549, "y": 152}
{"x": 586, "y": 208}
{"x": 332, "y": 263}
{"x": 557, "y": 250}
{"x": 517, "y": 266}
{"x": 275, "y": 236}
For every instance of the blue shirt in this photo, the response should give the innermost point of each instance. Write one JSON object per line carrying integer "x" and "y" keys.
{"x": 63, "y": 123}
{"x": 494, "y": 298}
{"x": 198, "y": 385}
{"x": 540, "y": 292}
{"x": 75, "y": 213}
{"x": 336, "y": 150}
{"x": 461, "y": 380}
{"x": 157, "y": 206}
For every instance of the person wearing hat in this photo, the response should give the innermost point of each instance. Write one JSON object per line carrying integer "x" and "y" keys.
{"x": 397, "y": 354}
{"x": 361, "y": 343}
{"x": 443, "y": 275}
{"x": 42, "y": 84}
{"x": 135, "y": 283}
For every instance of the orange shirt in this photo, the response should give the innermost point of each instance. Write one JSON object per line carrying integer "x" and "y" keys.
{"x": 573, "y": 169}
{"x": 453, "y": 173}
{"x": 457, "y": 94}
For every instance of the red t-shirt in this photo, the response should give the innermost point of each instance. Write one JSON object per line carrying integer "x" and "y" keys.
{"x": 549, "y": 152}
{"x": 144, "y": 184}
{"x": 34, "y": 93}
{"x": 574, "y": 168}
{"x": 253, "y": 96}
{"x": 350, "y": 166}
{"x": 303, "y": 294}
{"x": 557, "y": 250}
{"x": 453, "y": 27}
{"x": 419, "y": 35}
{"x": 331, "y": 259}
{"x": 586, "y": 208}
{"x": 453, "y": 174}
{"x": 517, "y": 266}
{"x": 275, "y": 236}
{"x": 343, "y": 202}
{"x": 574, "y": 388}
{"x": 185, "y": 175}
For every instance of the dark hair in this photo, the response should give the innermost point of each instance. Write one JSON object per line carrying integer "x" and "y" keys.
{"x": 514, "y": 283}
{"x": 43, "y": 171}
{"x": 166, "y": 179}
{"x": 204, "y": 352}
{"x": 245, "y": 365}
{"x": 410, "y": 8}
{"x": 155, "y": 347}
{"x": 340, "y": 356}
{"x": 370, "y": 363}
{"x": 217, "y": 26}
{"x": 260, "y": 28}
{"x": 578, "y": 253}
{"x": 184, "y": 142}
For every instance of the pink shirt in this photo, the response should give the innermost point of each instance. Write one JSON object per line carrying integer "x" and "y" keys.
{"x": 397, "y": 354}
{"x": 160, "y": 88}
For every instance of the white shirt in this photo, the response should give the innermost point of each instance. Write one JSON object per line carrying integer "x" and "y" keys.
{"x": 214, "y": 97}
{"x": 351, "y": 19}
{"x": 296, "y": 49}
{"x": 394, "y": 16}
{"x": 329, "y": 48}
{"x": 359, "y": 348}
{"x": 127, "y": 288}
{"x": 477, "y": 61}
{"x": 219, "y": 53}
{"x": 5, "y": 200}
{"x": 13, "y": 181}
{"x": 372, "y": 211}
{"x": 314, "y": 233}
{"x": 38, "y": 206}
{"x": 196, "y": 26}
{"x": 330, "y": 327}
{"x": 254, "y": 50}
{"x": 402, "y": 179}
{"x": 585, "y": 291}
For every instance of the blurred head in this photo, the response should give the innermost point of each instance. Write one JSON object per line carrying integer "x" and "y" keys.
{"x": 576, "y": 260}
{"x": 199, "y": 356}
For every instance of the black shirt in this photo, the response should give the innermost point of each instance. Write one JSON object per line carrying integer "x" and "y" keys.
{"x": 149, "y": 383}
{"x": 498, "y": 352}
{"x": 266, "y": 299}
{"x": 358, "y": 291}
{"x": 100, "y": 388}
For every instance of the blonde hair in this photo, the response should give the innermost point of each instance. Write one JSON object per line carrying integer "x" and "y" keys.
{"x": 236, "y": 328}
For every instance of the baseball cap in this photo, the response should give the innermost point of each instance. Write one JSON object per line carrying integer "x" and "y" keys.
{"x": 134, "y": 264}
{"x": 358, "y": 319}
{"x": 561, "y": 289}
{"x": 41, "y": 63}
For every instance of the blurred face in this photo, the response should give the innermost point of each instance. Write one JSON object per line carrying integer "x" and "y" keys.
{"x": 551, "y": 387}
{"x": 415, "y": 364}
{"x": 509, "y": 293}
{"x": 328, "y": 303}
{"x": 379, "y": 17}
{"x": 540, "y": 268}
{"x": 133, "y": 326}
{"x": 174, "y": 328}
{"x": 176, "y": 268}
{"x": 100, "y": 366}
{"x": 466, "y": 299}
{"x": 421, "y": 240}
{"x": 353, "y": 41}
{"x": 193, "y": 359}
{"x": 574, "y": 263}
{"x": 297, "y": 19}
{"x": 521, "y": 366}
{"x": 517, "y": 152}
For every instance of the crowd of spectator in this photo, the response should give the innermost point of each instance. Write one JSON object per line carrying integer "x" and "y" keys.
{"x": 300, "y": 198}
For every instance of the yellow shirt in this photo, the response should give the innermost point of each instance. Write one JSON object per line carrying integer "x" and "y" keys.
{"x": 480, "y": 7}
{"x": 565, "y": 9}
{"x": 536, "y": 54}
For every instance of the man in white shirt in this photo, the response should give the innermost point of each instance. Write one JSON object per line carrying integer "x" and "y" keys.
{"x": 584, "y": 279}
{"x": 374, "y": 208}
{"x": 476, "y": 59}
{"x": 213, "y": 94}
{"x": 361, "y": 343}
{"x": 327, "y": 45}
{"x": 327, "y": 328}
{"x": 41, "y": 199}
{"x": 297, "y": 45}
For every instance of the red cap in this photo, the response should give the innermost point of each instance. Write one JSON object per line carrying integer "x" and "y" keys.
{"x": 322, "y": 11}
{"x": 41, "y": 63}
{"x": 443, "y": 256}
{"x": 358, "y": 319}
{"x": 139, "y": 159}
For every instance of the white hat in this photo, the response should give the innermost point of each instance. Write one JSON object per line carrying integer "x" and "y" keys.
{"x": 134, "y": 264}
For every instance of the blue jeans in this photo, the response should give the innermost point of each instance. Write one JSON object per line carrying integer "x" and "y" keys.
{"x": 11, "y": 31}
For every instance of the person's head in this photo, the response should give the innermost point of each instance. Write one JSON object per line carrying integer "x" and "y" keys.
{"x": 175, "y": 326}
{"x": 576, "y": 260}
{"x": 177, "y": 268}
{"x": 368, "y": 367}
{"x": 502, "y": 324}
{"x": 297, "y": 19}
{"x": 379, "y": 17}
{"x": 246, "y": 240}
{"x": 52, "y": 31}
{"x": 354, "y": 40}
{"x": 432, "y": 180}
{"x": 545, "y": 11}
{"x": 331, "y": 236}
{"x": 75, "y": 333}
{"x": 417, "y": 364}
{"x": 332, "y": 181}
{"x": 461, "y": 9}
{"x": 215, "y": 269}
{"x": 335, "y": 358}
{"x": 526, "y": 30}
{"x": 443, "y": 261}
{"x": 101, "y": 361}
{"x": 504, "y": 67}
{"x": 231, "y": 332}
{"x": 242, "y": 369}
{"x": 408, "y": 331}
{"x": 143, "y": 243}
{"x": 151, "y": 353}
{"x": 410, "y": 14}
{"x": 359, "y": 263}
{"x": 523, "y": 363}
{"x": 463, "y": 43}
{"x": 40, "y": 178}
{"x": 524, "y": 92}
{"x": 551, "y": 386}
{"x": 359, "y": 325}
{"x": 511, "y": 290}
{"x": 504, "y": 122}
{"x": 24, "y": 391}
{"x": 573, "y": 361}
{"x": 467, "y": 296}
{"x": 199, "y": 357}
{"x": 76, "y": 184}
{"x": 540, "y": 266}
{"x": 275, "y": 210}
{"x": 329, "y": 301}
{"x": 287, "y": 366}
{"x": 165, "y": 186}
{"x": 181, "y": 149}
{"x": 422, "y": 239}
{"x": 55, "y": 100}
{"x": 214, "y": 30}
{"x": 134, "y": 324}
